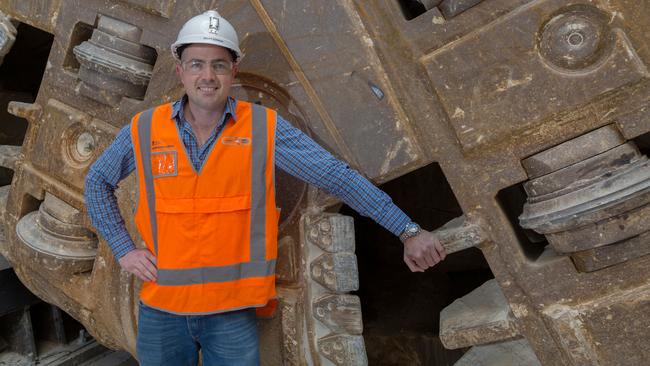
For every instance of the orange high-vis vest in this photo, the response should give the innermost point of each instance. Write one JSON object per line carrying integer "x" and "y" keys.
{"x": 213, "y": 231}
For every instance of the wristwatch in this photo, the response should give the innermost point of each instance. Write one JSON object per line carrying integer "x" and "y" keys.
{"x": 410, "y": 230}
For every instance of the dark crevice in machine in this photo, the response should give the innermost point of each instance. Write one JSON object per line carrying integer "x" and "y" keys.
{"x": 401, "y": 310}
{"x": 643, "y": 143}
{"x": 512, "y": 200}
{"x": 21, "y": 73}
{"x": 446, "y": 9}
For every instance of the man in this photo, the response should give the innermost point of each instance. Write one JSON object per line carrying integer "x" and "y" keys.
{"x": 206, "y": 206}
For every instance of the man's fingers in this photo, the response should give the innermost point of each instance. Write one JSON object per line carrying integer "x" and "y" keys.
{"x": 417, "y": 256}
{"x": 433, "y": 251}
{"x": 423, "y": 251}
{"x": 412, "y": 265}
{"x": 151, "y": 277}
{"x": 429, "y": 258}
{"x": 146, "y": 263}
{"x": 432, "y": 257}
{"x": 149, "y": 270}
{"x": 141, "y": 263}
{"x": 440, "y": 249}
{"x": 143, "y": 269}
{"x": 139, "y": 274}
{"x": 421, "y": 264}
{"x": 150, "y": 257}
{"x": 146, "y": 267}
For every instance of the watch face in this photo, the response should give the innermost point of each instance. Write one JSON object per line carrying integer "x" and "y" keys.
{"x": 412, "y": 228}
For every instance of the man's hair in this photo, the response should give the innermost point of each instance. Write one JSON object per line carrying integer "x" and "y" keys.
{"x": 182, "y": 48}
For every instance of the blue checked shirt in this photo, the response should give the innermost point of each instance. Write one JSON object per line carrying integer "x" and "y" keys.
{"x": 295, "y": 153}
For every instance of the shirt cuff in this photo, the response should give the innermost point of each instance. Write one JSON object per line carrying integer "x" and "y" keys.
{"x": 121, "y": 244}
{"x": 399, "y": 223}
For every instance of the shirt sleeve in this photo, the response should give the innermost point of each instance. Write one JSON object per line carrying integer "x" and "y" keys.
{"x": 299, "y": 155}
{"x": 115, "y": 164}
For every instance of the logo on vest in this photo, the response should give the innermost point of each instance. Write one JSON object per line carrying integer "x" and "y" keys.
{"x": 158, "y": 144}
{"x": 164, "y": 164}
{"x": 234, "y": 140}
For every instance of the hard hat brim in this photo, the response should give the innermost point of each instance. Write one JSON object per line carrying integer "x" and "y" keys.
{"x": 214, "y": 42}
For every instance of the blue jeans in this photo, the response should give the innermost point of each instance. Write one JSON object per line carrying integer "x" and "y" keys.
{"x": 224, "y": 339}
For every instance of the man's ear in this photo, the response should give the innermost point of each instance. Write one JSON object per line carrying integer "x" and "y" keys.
{"x": 179, "y": 69}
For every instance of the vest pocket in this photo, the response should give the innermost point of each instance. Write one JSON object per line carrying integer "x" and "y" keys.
{"x": 203, "y": 232}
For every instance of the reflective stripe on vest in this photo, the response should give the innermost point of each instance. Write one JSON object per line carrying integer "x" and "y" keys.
{"x": 258, "y": 266}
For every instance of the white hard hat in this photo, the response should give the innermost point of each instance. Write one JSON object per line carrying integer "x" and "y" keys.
{"x": 209, "y": 28}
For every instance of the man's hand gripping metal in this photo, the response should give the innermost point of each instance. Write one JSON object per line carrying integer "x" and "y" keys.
{"x": 429, "y": 248}
{"x": 423, "y": 251}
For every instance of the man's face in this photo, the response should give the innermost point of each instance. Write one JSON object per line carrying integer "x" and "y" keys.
{"x": 207, "y": 72}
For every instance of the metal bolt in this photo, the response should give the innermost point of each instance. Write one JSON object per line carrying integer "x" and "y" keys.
{"x": 576, "y": 39}
{"x": 85, "y": 145}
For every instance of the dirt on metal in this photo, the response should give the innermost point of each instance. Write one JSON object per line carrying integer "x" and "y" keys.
{"x": 536, "y": 111}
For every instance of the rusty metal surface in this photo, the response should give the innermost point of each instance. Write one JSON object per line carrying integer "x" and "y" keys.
{"x": 486, "y": 92}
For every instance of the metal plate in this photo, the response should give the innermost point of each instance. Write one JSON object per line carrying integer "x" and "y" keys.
{"x": 478, "y": 83}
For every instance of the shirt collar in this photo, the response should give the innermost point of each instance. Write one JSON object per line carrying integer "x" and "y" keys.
{"x": 179, "y": 114}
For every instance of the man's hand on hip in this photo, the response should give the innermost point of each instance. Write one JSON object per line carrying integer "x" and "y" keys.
{"x": 141, "y": 263}
{"x": 423, "y": 251}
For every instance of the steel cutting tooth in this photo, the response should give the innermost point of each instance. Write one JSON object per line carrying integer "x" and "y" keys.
{"x": 343, "y": 350}
{"x": 113, "y": 64}
{"x": 139, "y": 52}
{"x": 334, "y": 319}
{"x": 332, "y": 233}
{"x": 573, "y": 151}
{"x": 54, "y": 239}
{"x": 340, "y": 313}
{"x": 582, "y": 173}
{"x": 338, "y": 272}
{"x": 598, "y": 258}
{"x": 605, "y": 232}
{"x": 119, "y": 28}
{"x": 482, "y": 316}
